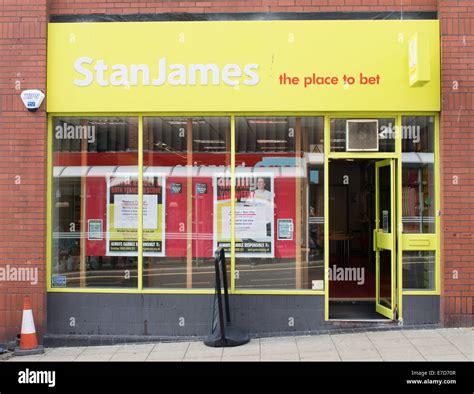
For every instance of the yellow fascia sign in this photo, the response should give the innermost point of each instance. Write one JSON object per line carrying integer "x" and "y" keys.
{"x": 263, "y": 66}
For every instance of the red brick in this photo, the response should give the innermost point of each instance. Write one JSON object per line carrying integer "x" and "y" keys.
{"x": 23, "y": 46}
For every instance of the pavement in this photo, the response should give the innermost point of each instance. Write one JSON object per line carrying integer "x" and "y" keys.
{"x": 450, "y": 344}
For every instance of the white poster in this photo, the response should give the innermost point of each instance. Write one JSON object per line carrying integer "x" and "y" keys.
{"x": 122, "y": 215}
{"x": 254, "y": 214}
{"x": 126, "y": 211}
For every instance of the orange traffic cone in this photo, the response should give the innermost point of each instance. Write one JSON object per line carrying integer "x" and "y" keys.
{"x": 28, "y": 340}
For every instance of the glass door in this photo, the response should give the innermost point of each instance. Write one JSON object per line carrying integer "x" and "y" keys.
{"x": 384, "y": 237}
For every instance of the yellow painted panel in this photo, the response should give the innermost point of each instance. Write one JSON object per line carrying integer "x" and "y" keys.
{"x": 243, "y": 61}
{"x": 384, "y": 240}
{"x": 419, "y": 241}
{"x": 419, "y": 60}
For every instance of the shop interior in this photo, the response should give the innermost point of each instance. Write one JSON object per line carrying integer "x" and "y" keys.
{"x": 351, "y": 256}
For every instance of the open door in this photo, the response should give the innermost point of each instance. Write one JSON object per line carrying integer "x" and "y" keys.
{"x": 384, "y": 238}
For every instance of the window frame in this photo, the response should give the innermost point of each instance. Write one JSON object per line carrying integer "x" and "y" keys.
{"x": 327, "y": 156}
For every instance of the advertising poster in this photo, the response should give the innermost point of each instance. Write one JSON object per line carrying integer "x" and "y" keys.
{"x": 122, "y": 216}
{"x": 254, "y": 211}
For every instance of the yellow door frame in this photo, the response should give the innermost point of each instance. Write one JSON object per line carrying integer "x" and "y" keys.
{"x": 395, "y": 155}
{"x": 385, "y": 241}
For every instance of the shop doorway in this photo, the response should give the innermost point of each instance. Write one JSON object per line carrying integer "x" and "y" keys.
{"x": 362, "y": 277}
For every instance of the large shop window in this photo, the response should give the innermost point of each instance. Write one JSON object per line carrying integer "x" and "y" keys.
{"x": 94, "y": 197}
{"x": 418, "y": 162}
{"x": 186, "y": 206}
{"x": 185, "y": 159}
{"x": 418, "y": 199}
{"x": 279, "y": 207}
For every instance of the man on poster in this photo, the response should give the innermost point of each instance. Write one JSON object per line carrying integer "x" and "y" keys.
{"x": 263, "y": 198}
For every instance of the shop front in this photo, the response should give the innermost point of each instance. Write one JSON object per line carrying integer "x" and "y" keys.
{"x": 307, "y": 150}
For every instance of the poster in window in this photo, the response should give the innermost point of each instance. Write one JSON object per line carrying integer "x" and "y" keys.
{"x": 94, "y": 230}
{"x": 285, "y": 229}
{"x": 254, "y": 214}
{"x": 122, "y": 216}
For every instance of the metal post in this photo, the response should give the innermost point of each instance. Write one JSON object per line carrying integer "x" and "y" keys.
{"x": 224, "y": 280}
{"x": 219, "y": 299}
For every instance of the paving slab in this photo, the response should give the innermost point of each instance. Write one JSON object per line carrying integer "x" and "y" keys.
{"x": 171, "y": 347}
{"x": 250, "y": 349}
{"x": 94, "y": 357}
{"x": 366, "y": 356}
{"x": 58, "y": 358}
{"x": 352, "y": 341}
{"x": 447, "y": 357}
{"x": 438, "y": 350}
{"x": 168, "y": 352}
{"x": 26, "y": 358}
{"x": 65, "y": 351}
{"x": 431, "y": 341}
{"x": 270, "y": 356}
{"x": 314, "y": 343}
{"x": 421, "y": 333}
{"x": 316, "y": 350}
{"x": 129, "y": 348}
{"x": 376, "y": 335}
{"x": 241, "y": 358}
{"x": 403, "y": 357}
{"x": 321, "y": 356}
{"x": 271, "y": 347}
{"x": 394, "y": 343}
{"x": 165, "y": 356}
{"x": 127, "y": 356}
{"x": 95, "y": 350}
{"x": 198, "y": 349}
{"x": 203, "y": 359}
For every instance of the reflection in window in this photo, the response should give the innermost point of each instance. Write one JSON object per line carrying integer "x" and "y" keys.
{"x": 418, "y": 134}
{"x": 418, "y": 182}
{"x": 419, "y": 270}
{"x": 279, "y": 203}
{"x": 94, "y": 195}
{"x": 183, "y": 160}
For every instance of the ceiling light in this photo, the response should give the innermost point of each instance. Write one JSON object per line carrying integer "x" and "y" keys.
{"x": 209, "y": 141}
{"x": 267, "y": 121}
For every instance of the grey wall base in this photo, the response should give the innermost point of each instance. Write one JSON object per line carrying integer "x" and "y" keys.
{"x": 421, "y": 310}
{"x": 178, "y": 315}
{"x": 100, "y": 319}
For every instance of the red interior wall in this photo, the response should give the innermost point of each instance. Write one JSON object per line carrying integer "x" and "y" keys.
{"x": 203, "y": 216}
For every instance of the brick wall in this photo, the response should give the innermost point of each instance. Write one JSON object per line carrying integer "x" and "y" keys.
{"x": 22, "y": 160}
{"x": 457, "y": 142}
{"x": 143, "y": 6}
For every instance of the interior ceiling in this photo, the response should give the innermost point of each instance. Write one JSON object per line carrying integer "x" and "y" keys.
{"x": 209, "y": 134}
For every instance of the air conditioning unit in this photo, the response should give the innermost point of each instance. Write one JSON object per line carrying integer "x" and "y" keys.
{"x": 362, "y": 135}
